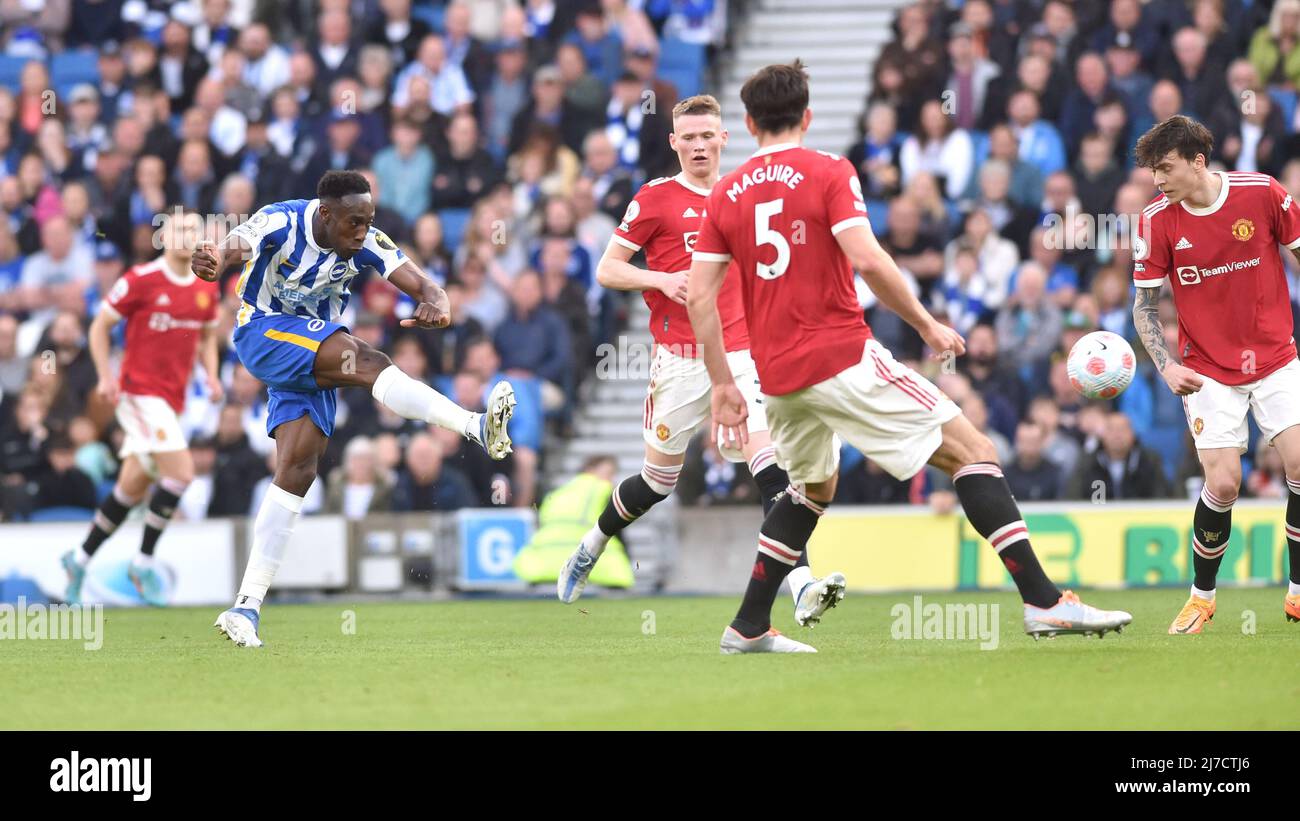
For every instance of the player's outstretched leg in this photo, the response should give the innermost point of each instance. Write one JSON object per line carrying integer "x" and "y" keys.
{"x": 991, "y": 509}
{"x": 1211, "y": 527}
{"x": 812, "y": 596}
{"x": 630, "y": 500}
{"x": 345, "y": 361}
{"x": 130, "y": 487}
{"x": 300, "y": 445}
{"x": 781, "y": 540}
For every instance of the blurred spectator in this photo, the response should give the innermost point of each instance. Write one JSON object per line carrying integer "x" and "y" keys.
{"x": 708, "y": 479}
{"x": 971, "y": 71}
{"x": 61, "y": 264}
{"x": 446, "y": 88}
{"x": 1011, "y": 220}
{"x": 1029, "y": 326}
{"x": 62, "y": 483}
{"x": 335, "y": 52}
{"x": 611, "y": 183}
{"x": 939, "y": 148}
{"x": 193, "y": 504}
{"x": 466, "y": 171}
{"x": 22, "y": 439}
{"x": 1040, "y": 142}
{"x": 507, "y": 95}
{"x": 916, "y": 56}
{"x": 397, "y": 30}
{"x": 602, "y": 48}
{"x": 876, "y": 153}
{"x": 1120, "y": 468}
{"x": 404, "y": 169}
{"x": 1267, "y": 478}
{"x": 1097, "y": 176}
{"x": 180, "y": 65}
{"x": 534, "y": 341}
{"x": 93, "y": 457}
{"x": 1058, "y": 445}
{"x": 1031, "y": 475}
{"x": 267, "y": 65}
{"x": 237, "y": 469}
{"x": 1275, "y": 48}
{"x": 1200, "y": 80}
{"x": 464, "y": 49}
{"x": 998, "y": 257}
{"x": 13, "y": 366}
{"x": 426, "y": 484}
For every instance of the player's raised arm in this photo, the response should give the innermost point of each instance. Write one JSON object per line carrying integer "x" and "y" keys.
{"x": 890, "y": 286}
{"x": 616, "y": 272}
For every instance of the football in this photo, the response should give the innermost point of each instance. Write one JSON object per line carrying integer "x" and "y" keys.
{"x": 1101, "y": 365}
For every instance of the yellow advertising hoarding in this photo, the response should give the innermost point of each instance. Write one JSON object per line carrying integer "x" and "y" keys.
{"x": 1115, "y": 544}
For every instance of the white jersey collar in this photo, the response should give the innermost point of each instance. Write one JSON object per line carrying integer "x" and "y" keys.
{"x": 690, "y": 186}
{"x": 179, "y": 279}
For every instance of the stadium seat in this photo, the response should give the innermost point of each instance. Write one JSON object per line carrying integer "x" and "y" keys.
{"x": 72, "y": 67}
{"x": 431, "y": 13}
{"x": 454, "y": 223}
{"x": 62, "y": 514}
{"x": 878, "y": 215}
{"x": 681, "y": 64}
{"x": 11, "y": 69}
{"x": 1285, "y": 100}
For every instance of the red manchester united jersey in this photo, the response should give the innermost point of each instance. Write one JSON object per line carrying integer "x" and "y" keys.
{"x": 1222, "y": 261}
{"x": 776, "y": 217}
{"x": 164, "y": 313}
{"x": 664, "y": 220}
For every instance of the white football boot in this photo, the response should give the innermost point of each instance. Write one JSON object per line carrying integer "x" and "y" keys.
{"x": 769, "y": 642}
{"x": 818, "y": 596}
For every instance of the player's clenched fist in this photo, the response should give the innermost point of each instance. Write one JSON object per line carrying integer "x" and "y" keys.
{"x": 432, "y": 312}
{"x": 674, "y": 286}
{"x": 1182, "y": 380}
{"x": 108, "y": 389}
{"x": 206, "y": 261}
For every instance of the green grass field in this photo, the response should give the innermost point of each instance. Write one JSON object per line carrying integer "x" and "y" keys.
{"x": 539, "y": 664}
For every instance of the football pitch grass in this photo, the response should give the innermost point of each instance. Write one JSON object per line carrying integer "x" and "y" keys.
{"x": 651, "y": 663}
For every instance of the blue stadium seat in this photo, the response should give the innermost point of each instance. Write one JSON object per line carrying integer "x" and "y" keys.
{"x": 682, "y": 64}
{"x": 72, "y": 67}
{"x": 431, "y": 13}
{"x": 878, "y": 215}
{"x": 454, "y": 223}
{"x": 11, "y": 68}
{"x": 62, "y": 514}
{"x": 1285, "y": 100}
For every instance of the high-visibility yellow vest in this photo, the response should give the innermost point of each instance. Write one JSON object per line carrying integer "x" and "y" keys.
{"x": 566, "y": 514}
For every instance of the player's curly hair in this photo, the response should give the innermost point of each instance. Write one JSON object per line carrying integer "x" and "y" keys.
{"x": 336, "y": 185}
{"x": 1178, "y": 133}
{"x": 776, "y": 96}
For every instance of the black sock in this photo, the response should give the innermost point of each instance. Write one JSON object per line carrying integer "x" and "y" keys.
{"x": 781, "y": 543}
{"x": 992, "y": 511}
{"x": 107, "y": 518}
{"x": 772, "y": 482}
{"x": 161, "y": 507}
{"x": 1293, "y": 529}
{"x": 635, "y": 495}
{"x": 1211, "y": 525}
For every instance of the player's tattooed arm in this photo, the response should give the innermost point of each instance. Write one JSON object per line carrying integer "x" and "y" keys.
{"x": 1181, "y": 379}
{"x": 616, "y": 272}
{"x": 432, "y": 308}
{"x": 1146, "y": 318}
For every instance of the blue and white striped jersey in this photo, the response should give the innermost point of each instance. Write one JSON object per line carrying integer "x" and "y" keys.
{"x": 290, "y": 274}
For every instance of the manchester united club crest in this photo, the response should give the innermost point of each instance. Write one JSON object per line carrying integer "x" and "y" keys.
{"x": 662, "y": 432}
{"x": 1198, "y": 426}
{"x": 1243, "y": 229}
{"x": 203, "y": 300}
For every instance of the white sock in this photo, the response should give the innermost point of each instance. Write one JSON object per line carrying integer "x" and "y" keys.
{"x": 595, "y": 541}
{"x": 81, "y": 556}
{"x": 412, "y": 399}
{"x": 271, "y": 531}
{"x": 1208, "y": 595}
{"x": 797, "y": 579}
{"x": 1293, "y": 589}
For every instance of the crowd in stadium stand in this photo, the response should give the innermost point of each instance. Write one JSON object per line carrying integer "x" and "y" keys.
{"x": 502, "y": 141}
{"x": 994, "y": 135}
{"x": 994, "y": 128}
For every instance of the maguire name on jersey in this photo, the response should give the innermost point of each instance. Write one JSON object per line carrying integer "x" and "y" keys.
{"x": 288, "y": 273}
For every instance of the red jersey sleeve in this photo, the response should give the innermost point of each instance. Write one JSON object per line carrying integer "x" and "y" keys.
{"x": 1286, "y": 223}
{"x": 125, "y": 296}
{"x": 640, "y": 222}
{"x": 845, "y": 207}
{"x": 1150, "y": 251}
{"x": 711, "y": 245}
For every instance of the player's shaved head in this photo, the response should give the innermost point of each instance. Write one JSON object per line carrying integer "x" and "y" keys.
{"x": 776, "y": 97}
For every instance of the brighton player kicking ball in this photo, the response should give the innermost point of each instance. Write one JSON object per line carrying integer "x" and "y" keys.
{"x": 1213, "y": 236}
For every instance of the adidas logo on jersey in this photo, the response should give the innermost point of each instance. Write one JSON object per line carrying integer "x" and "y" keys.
{"x": 1183, "y": 244}
{"x": 689, "y": 212}
{"x": 163, "y": 299}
